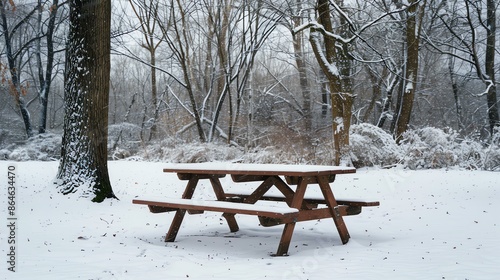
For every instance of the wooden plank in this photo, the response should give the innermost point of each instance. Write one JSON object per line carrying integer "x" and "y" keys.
{"x": 158, "y": 209}
{"x": 248, "y": 178}
{"x": 222, "y": 206}
{"x": 219, "y": 193}
{"x": 310, "y": 200}
{"x": 260, "y": 191}
{"x": 294, "y": 180}
{"x": 188, "y": 176}
{"x": 286, "y": 236}
{"x": 313, "y": 214}
{"x": 332, "y": 206}
{"x": 180, "y": 213}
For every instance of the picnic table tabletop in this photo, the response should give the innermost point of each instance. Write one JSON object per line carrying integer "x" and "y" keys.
{"x": 222, "y": 168}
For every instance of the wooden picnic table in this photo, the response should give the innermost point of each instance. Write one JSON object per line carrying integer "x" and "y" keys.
{"x": 297, "y": 207}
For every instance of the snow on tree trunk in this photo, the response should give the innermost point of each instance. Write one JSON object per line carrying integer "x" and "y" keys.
{"x": 328, "y": 58}
{"x": 83, "y": 166}
{"x": 414, "y": 19}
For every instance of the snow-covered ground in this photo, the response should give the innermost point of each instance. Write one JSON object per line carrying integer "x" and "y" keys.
{"x": 431, "y": 224}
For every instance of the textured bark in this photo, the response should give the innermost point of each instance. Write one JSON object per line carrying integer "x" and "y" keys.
{"x": 491, "y": 95}
{"x": 341, "y": 101}
{"x": 83, "y": 166}
{"x": 404, "y": 108}
{"x": 298, "y": 49}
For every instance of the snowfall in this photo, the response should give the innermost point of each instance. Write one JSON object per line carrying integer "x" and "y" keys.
{"x": 431, "y": 224}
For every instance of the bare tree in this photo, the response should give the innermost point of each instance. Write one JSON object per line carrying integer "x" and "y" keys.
{"x": 404, "y": 106}
{"x": 472, "y": 33}
{"x": 147, "y": 14}
{"x": 332, "y": 61}
{"x": 45, "y": 76}
{"x": 15, "y": 52}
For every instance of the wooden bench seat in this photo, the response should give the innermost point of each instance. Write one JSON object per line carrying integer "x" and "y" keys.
{"x": 198, "y": 206}
{"x": 310, "y": 200}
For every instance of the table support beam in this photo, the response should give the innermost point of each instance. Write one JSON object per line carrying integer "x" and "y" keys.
{"x": 333, "y": 206}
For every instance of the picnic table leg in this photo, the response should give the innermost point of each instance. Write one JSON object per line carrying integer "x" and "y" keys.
{"x": 179, "y": 214}
{"x": 286, "y": 236}
{"x": 219, "y": 193}
{"x": 332, "y": 205}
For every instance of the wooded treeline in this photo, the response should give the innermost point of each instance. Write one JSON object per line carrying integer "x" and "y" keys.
{"x": 260, "y": 72}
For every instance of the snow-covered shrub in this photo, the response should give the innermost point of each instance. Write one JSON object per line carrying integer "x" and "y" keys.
{"x": 172, "y": 150}
{"x": 492, "y": 153}
{"x": 269, "y": 155}
{"x": 371, "y": 145}
{"x": 43, "y": 147}
{"x": 124, "y": 140}
{"x": 469, "y": 154}
{"x": 429, "y": 147}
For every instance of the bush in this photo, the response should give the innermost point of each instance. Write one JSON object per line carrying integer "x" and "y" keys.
{"x": 371, "y": 145}
{"x": 492, "y": 153}
{"x": 42, "y": 147}
{"x": 429, "y": 147}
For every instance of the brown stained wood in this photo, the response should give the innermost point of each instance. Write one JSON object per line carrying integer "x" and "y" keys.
{"x": 219, "y": 193}
{"x": 311, "y": 201}
{"x": 286, "y": 237}
{"x": 301, "y": 209}
{"x": 294, "y": 180}
{"x": 188, "y": 176}
{"x": 231, "y": 222}
{"x": 260, "y": 191}
{"x": 248, "y": 178}
{"x": 159, "y": 209}
{"x": 284, "y": 189}
{"x": 270, "y": 222}
{"x": 287, "y": 214}
{"x": 359, "y": 203}
{"x": 175, "y": 226}
{"x": 179, "y": 214}
{"x": 189, "y": 191}
{"x": 332, "y": 205}
{"x": 314, "y": 214}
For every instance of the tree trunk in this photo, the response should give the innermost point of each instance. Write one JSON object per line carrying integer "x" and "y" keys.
{"x": 298, "y": 49}
{"x": 46, "y": 80}
{"x": 386, "y": 108}
{"x": 404, "y": 108}
{"x": 341, "y": 101}
{"x": 376, "y": 85}
{"x": 83, "y": 166}
{"x": 456, "y": 94}
{"x": 491, "y": 95}
{"x": 223, "y": 79}
{"x": 154, "y": 94}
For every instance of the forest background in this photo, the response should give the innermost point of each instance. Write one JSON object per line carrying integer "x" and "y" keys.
{"x": 244, "y": 81}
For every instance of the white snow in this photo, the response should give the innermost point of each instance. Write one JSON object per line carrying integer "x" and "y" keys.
{"x": 234, "y": 168}
{"x": 431, "y": 224}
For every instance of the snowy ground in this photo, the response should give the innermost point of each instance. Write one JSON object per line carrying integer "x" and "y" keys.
{"x": 432, "y": 224}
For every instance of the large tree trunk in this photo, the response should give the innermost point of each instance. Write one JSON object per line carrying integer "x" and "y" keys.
{"x": 83, "y": 166}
